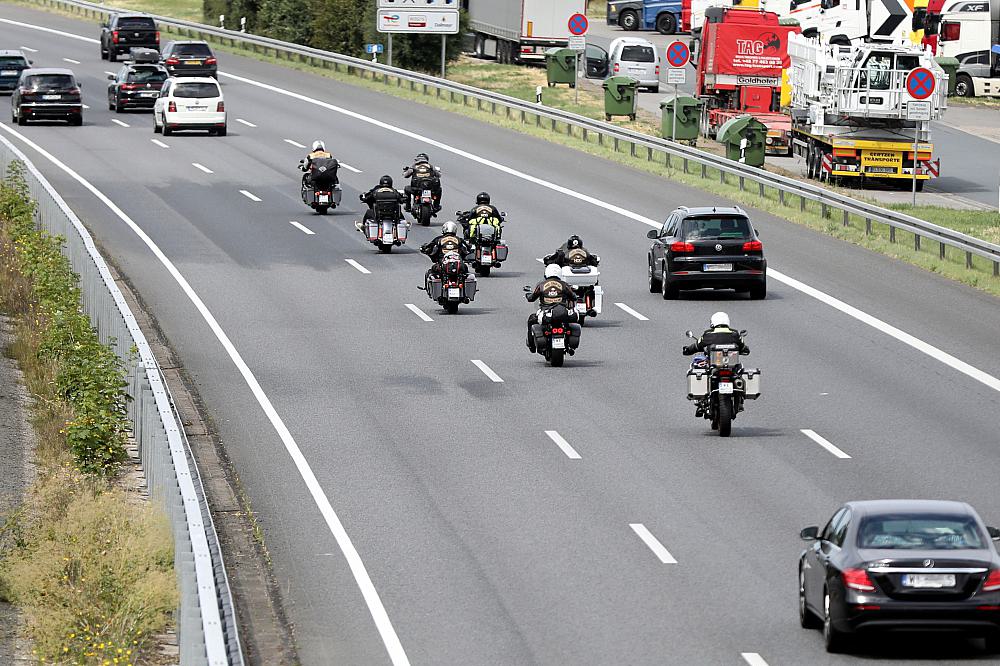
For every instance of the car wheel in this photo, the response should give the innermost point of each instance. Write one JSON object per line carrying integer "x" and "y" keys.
{"x": 667, "y": 291}
{"x": 993, "y": 644}
{"x": 76, "y": 121}
{"x": 21, "y": 120}
{"x": 807, "y": 618}
{"x": 654, "y": 89}
{"x": 666, "y": 24}
{"x": 112, "y": 56}
{"x": 758, "y": 292}
{"x": 628, "y": 20}
{"x": 835, "y": 641}
{"x": 221, "y": 131}
{"x": 156, "y": 126}
{"x": 163, "y": 126}
{"x": 654, "y": 284}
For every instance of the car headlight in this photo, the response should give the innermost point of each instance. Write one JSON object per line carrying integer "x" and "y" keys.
{"x": 770, "y": 140}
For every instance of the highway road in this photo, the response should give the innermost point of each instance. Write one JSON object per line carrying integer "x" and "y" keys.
{"x": 418, "y": 510}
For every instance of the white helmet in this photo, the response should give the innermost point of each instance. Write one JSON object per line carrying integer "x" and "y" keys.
{"x": 720, "y": 319}
{"x": 553, "y": 270}
{"x": 318, "y": 145}
{"x": 451, "y": 228}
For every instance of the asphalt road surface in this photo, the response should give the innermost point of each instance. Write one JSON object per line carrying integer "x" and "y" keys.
{"x": 631, "y": 534}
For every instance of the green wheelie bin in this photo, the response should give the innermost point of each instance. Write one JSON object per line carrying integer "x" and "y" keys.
{"x": 620, "y": 98}
{"x": 560, "y": 64}
{"x": 950, "y": 67}
{"x": 744, "y": 137}
{"x": 687, "y": 118}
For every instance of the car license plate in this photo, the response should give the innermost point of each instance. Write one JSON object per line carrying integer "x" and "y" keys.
{"x": 929, "y": 581}
{"x": 50, "y": 96}
{"x": 149, "y": 94}
{"x": 192, "y": 62}
{"x": 454, "y": 292}
{"x": 9, "y": 72}
{"x": 559, "y": 343}
{"x": 717, "y": 268}
{"x": 197, "y": 108}
{"x": 725, "y": 387}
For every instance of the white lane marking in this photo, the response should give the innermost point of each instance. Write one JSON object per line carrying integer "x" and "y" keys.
{"x": 245, "y": 122}
{"x": 417, "y": 311}
{"x": 201, "y": 167}
{"x": 494, "y": 377}
{"x": 250, "y": 195}
{"x": 632, "y": 312}
{"x": 29, "y": 49}
{"x": 539, "y": 260}
{"x": 294, "y": 143}
{"x": 358, "y": 266}
{"x": 825, "y": 443}
{"x": 159, "y": 143}
{"x": 654, "y": 545}
{"x": 53, "y": 31}
{"x": 70, "y": 60}
{"x": 118, "y": 122}
{"x": 301, "y": 227}
{"x": 349, "y": 167}
{"x": 563, "y": 444}
{"x": 109, "y": 73}
{"x": 379, "y": 615}
{"x": 85, "y": 106}
{"x": 753, "y": 659}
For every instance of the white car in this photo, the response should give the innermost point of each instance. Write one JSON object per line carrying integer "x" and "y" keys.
{"x": 635, "y": 57}
{"x": 190, "y": 103}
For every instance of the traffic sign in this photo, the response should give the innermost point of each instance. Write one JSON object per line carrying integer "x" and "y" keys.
{"x": 418, "y": 4}
{"x": 373, "y": 48}
{"x": 434, "y": 21}
{"x": 578, "y": 24}
{"x": 678, "y": 54}
{"x": 920, "y": 83}
{"x": 577, "y": 42}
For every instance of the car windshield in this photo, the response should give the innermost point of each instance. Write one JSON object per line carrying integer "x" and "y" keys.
{"x": 196, "y": 90}
{"x": 716, "y": 228}
{"x": 147, "y": 75}
{"x": 49, "y": 82}
{"x": 12, "y": 62}
{"x": 638, "y": 54}
{"x": 192, "y": 50}
{"x": 919, "y": 532}
{"x": 136, "y": 23}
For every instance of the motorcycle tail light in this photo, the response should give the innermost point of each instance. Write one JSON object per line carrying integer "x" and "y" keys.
{"x": 557, "y": 330}
{"x": 992, "y": 581}
{"x": 858, "y": 579}
{"x": 681, "y": 247}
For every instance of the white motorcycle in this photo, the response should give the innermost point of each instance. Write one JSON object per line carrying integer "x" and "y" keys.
{"x": 589, "y": 294}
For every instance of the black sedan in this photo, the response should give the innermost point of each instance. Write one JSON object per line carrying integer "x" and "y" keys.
{"x": 916, "y": 565}
{"x": 135, "y": 86}
{"x": 707, "y": 247}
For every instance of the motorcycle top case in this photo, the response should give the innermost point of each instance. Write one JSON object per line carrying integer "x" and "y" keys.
{"x": 697, "y": 379}
{"x": 582, "y": 276}
{"x": 751, "y": 383}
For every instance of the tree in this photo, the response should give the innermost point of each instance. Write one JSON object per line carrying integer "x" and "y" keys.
{"x": 287, "y": 20}
{"x": 339, "y": 25}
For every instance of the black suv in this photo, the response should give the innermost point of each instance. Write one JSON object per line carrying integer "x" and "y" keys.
{"x": 124, "y": 32}
{"x": 47, "y": 94}
{"x": 136, "y": 85}
{"x": 12, "y": 63}
{"x": 190, "y": 59}
{"x": 707, "y": 247}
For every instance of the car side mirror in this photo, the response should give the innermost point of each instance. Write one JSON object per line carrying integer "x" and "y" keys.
{"x": 689, "y": 334}
{"x": 111, "y": 77}
{"x": 653, "y": 233}
{"x": 31, "y": 62}
{"x": 810, "y": 533}
{"x": 994, "y": 533}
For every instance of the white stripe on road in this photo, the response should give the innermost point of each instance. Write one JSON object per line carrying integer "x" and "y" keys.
{"x": 303, "y": 228}
{"x": 417, "y": 311}
{"x": 632, "y": 312}
{"x": 109, "y": 73}
{"x": 201, "y": 167}
{"x": 494, "y": 377}
{"x": 358, "y": 266}
{"x": 825, "y": 443}
{"x": 85, "y": 106}
{"x": 379, "y": 615}
{"x": 250, "y": 195}
{"x": 753, "y": 659}
{"x": 53, "y": 31}
{"x": 539, "y": 259}
{"x": 118, "y": 122}
{"x": 245, "y": 122}
{"x": 349, "y": 167}
{"x": 654, "y": 545}
{"x": 563, "y": 444}
{"x": 70, "y": 60}
{"x": 29, "y": 49}
{"x": 159, "y": 143}
{"x": 294, "y": 143}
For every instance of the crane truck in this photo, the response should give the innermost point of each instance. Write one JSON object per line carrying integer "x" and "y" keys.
{"x": 519, "y": 31}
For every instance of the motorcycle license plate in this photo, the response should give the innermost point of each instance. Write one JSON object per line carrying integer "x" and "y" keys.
{"x": 486, "y": 260}
{"x": 581, "y": 308}
{"x": 323, "y": 198}
{"x": 717, "y": 268}
{"x": 929, "y": 581}
{"x": 386, "y": 238}
{"x": 426, "y": 194}
{"x": 725, "y": 387}
{"x": 454, "y": 292}
{"x": 559, "y": 343}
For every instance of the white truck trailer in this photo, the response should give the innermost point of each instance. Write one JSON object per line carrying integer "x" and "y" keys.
{"x": 517, "y": 31}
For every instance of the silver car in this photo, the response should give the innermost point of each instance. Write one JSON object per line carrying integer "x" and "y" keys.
{"x": 635, "y": 57}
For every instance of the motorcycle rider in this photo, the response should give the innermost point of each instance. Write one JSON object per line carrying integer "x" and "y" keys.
{"x": 448, "y": 242}
{"x": 383, "y": 203}
{"x": 572, "y": 253}
{"x": 718, "y": 333}
{"x": 552, "y": 291}
{"x": 318, "y": 152}
{"x": 422, "y": 169}
{"x": 483, "y": 209}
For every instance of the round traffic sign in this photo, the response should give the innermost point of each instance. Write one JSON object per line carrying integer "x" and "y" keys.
{"x": 920, "y": 83}
{"x": 578, "y": 25}
{"x": 678, "y": 54}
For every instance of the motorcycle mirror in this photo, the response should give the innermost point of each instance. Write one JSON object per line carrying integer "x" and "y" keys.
{"x": 503, "y": 213}
{"x": 111, "y": 77}
{"x": 527, "y": 288}
{"x": 689, "y": 334}
{"x": 743, "y": 333}
{"x": 421, "y": 288}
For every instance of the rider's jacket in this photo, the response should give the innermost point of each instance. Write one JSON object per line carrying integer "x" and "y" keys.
{"x": 552, "y": 291}
{"x": 421, "y": 170}
{"x": 578, "y": 256}
{"x": 717, "y": 335}
{"x": 443, "y": 244}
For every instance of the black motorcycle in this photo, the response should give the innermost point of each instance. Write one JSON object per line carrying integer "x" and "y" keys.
{"x": 719, "y": 384}
{"x": 424, "y": 200}
{"x": 320, "y": 186}
{"x": 555, "y": 333}
{"x": 486, "y": 236}
{"x": 452, "y": 285}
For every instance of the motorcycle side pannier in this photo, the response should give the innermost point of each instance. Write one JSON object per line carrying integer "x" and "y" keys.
{"x": 501, "y": 252}
{"x": 697, "y": 383}
{"x": 372, "y": 228}
{"x": 573, "y": 340}
{"x": 434, "y": 287}
{"x": 751, "y": 379}
{"x": 470, "y": 286}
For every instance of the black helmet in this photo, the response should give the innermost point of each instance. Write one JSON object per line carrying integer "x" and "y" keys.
{"x": 482, "y": 198}
{"x": 385, "y": 181}
{"x": 421, "y": 157}
{"x": 574, "y": 242}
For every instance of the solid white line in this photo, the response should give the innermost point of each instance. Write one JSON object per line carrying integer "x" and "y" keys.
{"x": 118, "y": 122}
{"x": 753, "y": 659}
{"x": 825, "y": 443}
{"x": 250, "y": 195}
{"x": 159, "y": 143}
{"x": 349, "y": 167}
{"x": 49, "y": 30}
{"x": 109, "y": 73}
{"x": 632, "y": 312}
{"x": 294, "y": 143}
{"x": 245, "y": 122}
{"x": 29, "y": 49}
{"x": 70, "y": 60}
{"x": 539, "y": 260}
{"x": 201, "y": 167}
{"x": 85, "y": 106}
{"x": 303, "y": 228}
{"x": 389, "y": 638}
{"x": 654, "y": 545}
{"x": 563, "y": 444}
{"x": 488, "y": 371}
{"x": 417, "y": 311}
{"x": 358, "y": 266}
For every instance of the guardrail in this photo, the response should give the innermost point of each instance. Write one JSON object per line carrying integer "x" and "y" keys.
{"x": 206, "y": 621}
{"x": 658, "y": 150}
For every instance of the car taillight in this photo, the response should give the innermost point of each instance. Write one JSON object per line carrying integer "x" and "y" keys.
{"x": 157, "y": 36}
{"x": 172, "y": 107}
{"x": 681, "y": 247}
{"x": 73, "y": 91}
{"x": 951, "y": 31}
{"x": 657, "y": 70}
{"x": 114, "y": 36}
{"x": 220, "y": 107}
{"x": 172, "y": 61}
{"x": 992, "y": 581}
{"x": 857, "y": 579}
{"x": 210, "y": 61}
{"x": 753, "y": 246}
{"x": 616, "y": 68}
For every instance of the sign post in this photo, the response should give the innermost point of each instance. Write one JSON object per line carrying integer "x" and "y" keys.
{"x": 578, "y": 26}
{"x": 920, "y": 84}
{"x": 678, "y": 56}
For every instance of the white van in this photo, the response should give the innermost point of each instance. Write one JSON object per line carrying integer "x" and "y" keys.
{"x": 635, "y": 57}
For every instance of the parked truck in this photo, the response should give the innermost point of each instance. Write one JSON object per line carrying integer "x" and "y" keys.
{"x": 849, "y": 21}
{"x": 518, "y": 31}
{"x": 970, "y": 32}
{"x": 664, "y": 16}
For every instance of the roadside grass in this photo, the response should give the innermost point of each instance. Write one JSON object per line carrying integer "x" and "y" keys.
{"x": 985, "y": 102}
{"x": 188, "y": 10}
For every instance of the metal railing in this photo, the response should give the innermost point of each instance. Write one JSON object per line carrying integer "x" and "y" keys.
{"x": 656, "y": 149}
{"x": 206, "y": 621}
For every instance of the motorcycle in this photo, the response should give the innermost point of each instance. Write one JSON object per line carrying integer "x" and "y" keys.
{"x": 386, "y": 232}
{"x": 486, "y": 237}
{"x": 325, "y": 192}
{"x": 555, "y": 334}
{"x": 589, "y": 294}
{"x": 453, "y": 285}
{"x": 719, "y": 384}
{"x": 424, "y": 201}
